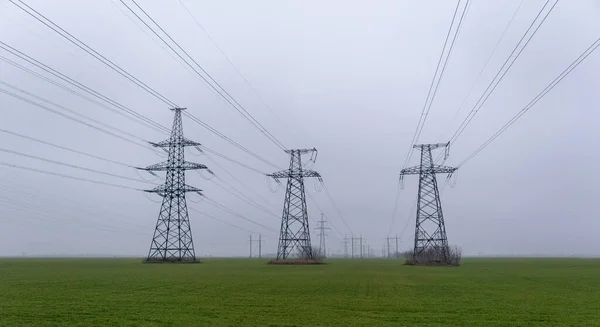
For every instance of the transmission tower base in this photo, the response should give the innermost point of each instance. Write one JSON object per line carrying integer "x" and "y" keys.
{"x": 296, "y": 262}
{"x": 435, "y": 257}
{"x": 182, "y": 261}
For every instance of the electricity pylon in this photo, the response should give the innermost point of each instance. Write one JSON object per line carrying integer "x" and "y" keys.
{"x": 430, "y": 231}
{"x": 295, "y": 233}
{"x": 172, "y": 240}
{"x": 322, "y": 235}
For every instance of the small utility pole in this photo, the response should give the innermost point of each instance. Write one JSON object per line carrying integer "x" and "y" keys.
{"x": 361, "y": 247}
{"x": 260, "y": 245}
{"x": 388, "y": 246}
{"x": 345, "y": 246}
{"x": 352, "y": 246}
{"x": 259, "y": 241}
{"x": 250, "y": 245}
{"x": 397, "y": 253}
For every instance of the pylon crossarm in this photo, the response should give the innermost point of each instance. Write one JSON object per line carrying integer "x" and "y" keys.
{"x": 301, "y": 151}
{"x": 443, "y": 169}
{"x": 436, "y": 169}
{"x": 169, "y": 143}
{"x": 165, "y": 165}
{"x": 164, "y": 189}
{"x": 431, "y": 146}
{"x": 294, "y": 174}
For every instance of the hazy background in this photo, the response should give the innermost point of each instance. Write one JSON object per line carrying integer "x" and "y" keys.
{"x": 347, "y": 77}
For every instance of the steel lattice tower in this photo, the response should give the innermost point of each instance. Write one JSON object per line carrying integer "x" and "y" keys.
{"x": 295, "y": 233}
{"x": 172, "y": 240}
{"x": 430, "y": 231}
{"x": 322, "y": 236}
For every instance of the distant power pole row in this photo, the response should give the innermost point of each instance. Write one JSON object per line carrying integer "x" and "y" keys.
{"x": 259, "y": 241}
{"x": 397, "y": 254}
{"x": 322, "y": 234}
{"x": 356, "y": 242}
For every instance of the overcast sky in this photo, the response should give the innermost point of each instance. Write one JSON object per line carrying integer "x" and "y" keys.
{"x": 347, "y": 77}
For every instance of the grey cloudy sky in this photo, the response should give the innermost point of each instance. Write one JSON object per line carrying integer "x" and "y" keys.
{"x": 347, "y": 77}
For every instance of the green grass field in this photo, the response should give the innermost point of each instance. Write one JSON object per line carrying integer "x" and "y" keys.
{"x": 238, "y": 292}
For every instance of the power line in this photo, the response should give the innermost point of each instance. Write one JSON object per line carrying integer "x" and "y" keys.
{"x": 241, "y": 164}
{"x": 141, "y": 28}
{"x": 229, "y": 60}
{"x": 396, "y": 201}
{"x": 434, "y": 93}
{"x": 484, "y": 67}
{"x": 5, "y": 164}
{"x": 501, "y": 72}
{"x": 71, "y": 118}
{"x": 240, "y": 182}
{"x": 224, "y": 208}
{"x": 21, "y": 154}
{"x": 64, "y": 148}
{"x": 321, "y": 210}
{"x": 218, "y": 88}
{"x": 434, "y": 86}
{"x": 229, "y": 140}
{"x": 68, "y": 205}
{"x": 44, "y": 213}
{"x": 71, "y": 203}
{"x": 136, "y": 117}
{"x": 235, "y": 192}
{"x": 222, "y": 221}
{"x": 537, "y": 98}
{"x": 59, "y": 30}
{"x": 71, "y": 206}
{"x": 94, "y": 93}
{"x": 69, "y": 110}
{"x": 336, "y": 208}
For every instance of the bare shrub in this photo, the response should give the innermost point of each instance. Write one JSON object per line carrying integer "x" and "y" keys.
{"x": 455, "y": 255}
{"x": 306, "y": 252}
{"x": 317, "y": 253}
{"x": 310, "y": 253}
{"x": 435, "y": 257}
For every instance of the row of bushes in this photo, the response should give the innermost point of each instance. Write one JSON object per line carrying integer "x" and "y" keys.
{"x": 449, "y": 256}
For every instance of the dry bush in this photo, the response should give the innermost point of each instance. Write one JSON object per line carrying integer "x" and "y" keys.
{"x": 434, "y": 257}
{"x": 171, "y": 260}
{"x": 310, "y": 253}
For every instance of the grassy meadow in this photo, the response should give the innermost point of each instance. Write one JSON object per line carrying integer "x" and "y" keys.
{"x": 245, "y": 292}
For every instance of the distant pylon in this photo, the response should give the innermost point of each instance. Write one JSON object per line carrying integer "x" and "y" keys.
{"x": 259, "y": 241}
{"x": 345, "y": 242}
{"x": 430, "y": 230}
{"x": 172, "y": 240}
{"x": 295, "y": 232}
{"x": 322, "y": 234}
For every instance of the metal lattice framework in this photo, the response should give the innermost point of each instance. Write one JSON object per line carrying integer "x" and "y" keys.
{"x": 430, "y": 230}
{"x": 322, "y": 236}
{"x": 172, "y": 240}
{"x": 295, "y": 232}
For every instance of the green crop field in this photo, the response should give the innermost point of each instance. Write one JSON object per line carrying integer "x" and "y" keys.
{"x": 238, "y": 292}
